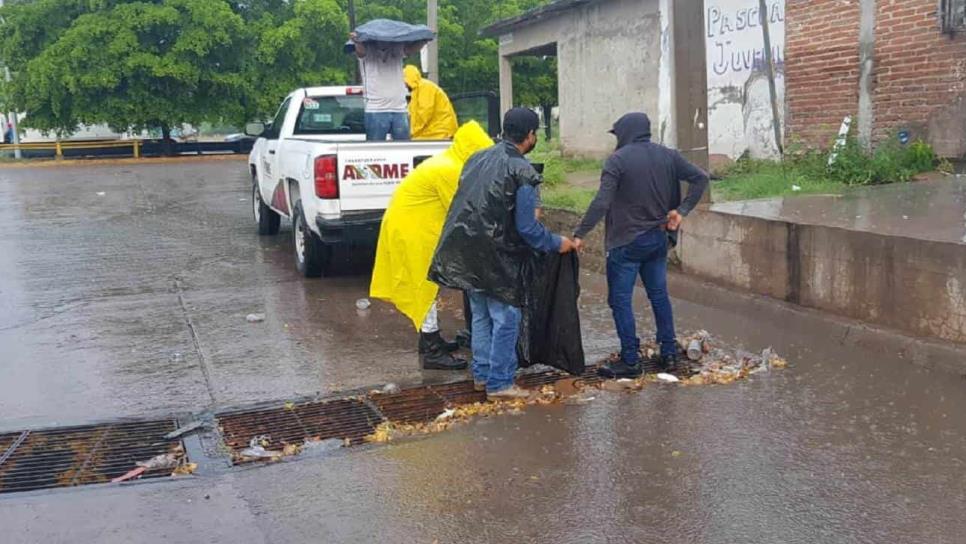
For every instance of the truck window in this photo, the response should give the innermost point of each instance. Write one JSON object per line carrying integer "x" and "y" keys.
{"x": 331, "y": 115}
{"x": 273, "y": 130}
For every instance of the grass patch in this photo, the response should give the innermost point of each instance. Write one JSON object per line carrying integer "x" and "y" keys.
{"x": 564, "y": 197}
{"x": 750, "y": 179}
{"x": 556, "y": 166}
{"x": 808, "y": 171}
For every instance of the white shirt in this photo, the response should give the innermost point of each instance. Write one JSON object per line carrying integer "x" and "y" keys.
{"x": 382, "y": 77}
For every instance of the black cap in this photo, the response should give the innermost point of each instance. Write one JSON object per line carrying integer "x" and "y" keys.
{"x": 520, "y": 120}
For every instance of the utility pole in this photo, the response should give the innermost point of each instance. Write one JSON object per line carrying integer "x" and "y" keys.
{"x": 770, "y": 72}
{"x": 432, "y": 54}
{"x": 12, "y": 116}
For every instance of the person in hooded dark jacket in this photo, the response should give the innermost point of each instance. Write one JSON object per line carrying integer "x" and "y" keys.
{"x": 640, "y": 196}
{"x": 487, "y": 247}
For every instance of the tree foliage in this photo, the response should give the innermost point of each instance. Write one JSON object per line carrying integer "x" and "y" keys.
{"x": 158, "y": 63}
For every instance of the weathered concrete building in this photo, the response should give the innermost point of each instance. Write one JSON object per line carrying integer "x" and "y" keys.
{"x": 616, "y": 56}
{"x": 599, "y": 75}
{"x": 898, "y": 68}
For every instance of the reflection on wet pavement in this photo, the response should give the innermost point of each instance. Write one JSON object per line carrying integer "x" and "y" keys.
{"x": 928, "y": 210}
{"x": 851, "y": 443}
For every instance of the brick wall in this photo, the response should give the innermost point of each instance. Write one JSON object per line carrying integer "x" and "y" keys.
{"x": 919, "y": 78}
{"x": 919, "y": 71}
{"x": 821, "y": 68}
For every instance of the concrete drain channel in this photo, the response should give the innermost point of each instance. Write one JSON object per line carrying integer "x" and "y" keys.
{"x": 41, "y": 459}
{"x": 72, "y": 456}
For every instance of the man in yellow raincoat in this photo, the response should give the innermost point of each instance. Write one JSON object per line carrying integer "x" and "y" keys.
{"x": 410, "y": 231}
{"x": 431, "y": 114}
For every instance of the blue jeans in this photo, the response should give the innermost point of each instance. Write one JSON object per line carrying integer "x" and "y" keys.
{"x": 496, "y": 327}
{"x": 645, "y": 256}
{"x": 381, "y": 123}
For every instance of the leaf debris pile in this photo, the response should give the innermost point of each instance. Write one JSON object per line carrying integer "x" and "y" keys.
{"x": 703, "y": 360}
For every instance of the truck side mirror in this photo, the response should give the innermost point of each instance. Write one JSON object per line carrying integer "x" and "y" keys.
{"x": 255, "y": 129}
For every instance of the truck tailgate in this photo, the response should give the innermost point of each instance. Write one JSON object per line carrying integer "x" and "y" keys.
{"x": 370, "y": 172}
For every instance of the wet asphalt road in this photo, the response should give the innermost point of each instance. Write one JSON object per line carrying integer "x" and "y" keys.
{"x": 133, "y": 302}
{"x": 100, "y": 294}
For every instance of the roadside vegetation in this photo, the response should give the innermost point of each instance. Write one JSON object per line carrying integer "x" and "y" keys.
{"x": 808, "y": 171}
{"x": 556, "y": 191}
{"x": 803, "y": 172}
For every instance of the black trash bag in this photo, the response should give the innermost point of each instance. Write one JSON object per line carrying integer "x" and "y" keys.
{"x": 550, "y": 331}
{"x": 388, "y": 30}
{"x": 479, "y": 248}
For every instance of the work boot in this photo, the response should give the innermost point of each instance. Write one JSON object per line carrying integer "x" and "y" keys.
{"x": 464, "y": 339}
{"x": 429, "y": 341}
{"x": 668, "y": 363}
{"x": 509, "y": 393}
{"x": 450, "y": 345}
{"x": 620, "y": 369}
{"x": 433, "y": 354}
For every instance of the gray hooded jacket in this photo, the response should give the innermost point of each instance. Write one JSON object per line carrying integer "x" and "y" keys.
{"x": 640, "y": 185}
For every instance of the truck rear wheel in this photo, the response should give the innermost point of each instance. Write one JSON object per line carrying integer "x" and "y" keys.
{"x": 311, "y": 255}
{"x": 266, "y": 218}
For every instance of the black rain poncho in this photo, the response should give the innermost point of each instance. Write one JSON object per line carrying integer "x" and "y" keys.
{"x": 480, "y": 248}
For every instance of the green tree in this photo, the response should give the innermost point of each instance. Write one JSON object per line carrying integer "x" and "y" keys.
{"x": 158, "y": 63}
{"x": 129, "y": 65}
{"x": 298, "y": 45}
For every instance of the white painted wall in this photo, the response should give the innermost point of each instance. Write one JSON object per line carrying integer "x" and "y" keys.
{"x": 739, "y": 107}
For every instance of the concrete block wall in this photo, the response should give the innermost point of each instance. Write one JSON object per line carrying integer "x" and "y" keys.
{"x": 912, "y": 285}
{"x": 917, "y": 80}
{"x": 738, "y": 251}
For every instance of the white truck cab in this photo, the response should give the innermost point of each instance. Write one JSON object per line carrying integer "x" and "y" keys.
{"x": 312, "y": 164}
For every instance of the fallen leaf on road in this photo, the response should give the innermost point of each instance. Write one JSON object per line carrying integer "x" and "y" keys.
{"x": 184, "y": 469}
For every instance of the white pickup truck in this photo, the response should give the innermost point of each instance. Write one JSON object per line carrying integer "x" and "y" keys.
{"x": 313, "y": 165}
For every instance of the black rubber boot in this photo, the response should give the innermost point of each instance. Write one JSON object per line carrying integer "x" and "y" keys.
{"x": 464, "y": 339}
{"x": 620, "y": 369}
{"x": 450, "y": 345}
{"x": 668, "y": 363}
{"x": 434, "y": 354}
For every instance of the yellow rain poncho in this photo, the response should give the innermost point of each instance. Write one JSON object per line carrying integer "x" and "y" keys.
{"x": 431, "y": 114}
{"x": 413, "y": 222}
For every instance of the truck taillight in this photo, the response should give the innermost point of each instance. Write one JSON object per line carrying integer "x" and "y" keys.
{"x": 353, "y": 90}
{"x": 326, "y": 177}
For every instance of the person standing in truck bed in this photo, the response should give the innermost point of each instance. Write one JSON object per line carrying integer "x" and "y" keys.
{"x": 381, "y": 66}
{"x": 431, "y": 114}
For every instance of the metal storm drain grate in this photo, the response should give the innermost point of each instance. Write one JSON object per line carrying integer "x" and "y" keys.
{"x": 346, "y": 419}
{"x": 90, "y": 454}
{"x": 352, "y": 419}
{"x": 425, "y": 403}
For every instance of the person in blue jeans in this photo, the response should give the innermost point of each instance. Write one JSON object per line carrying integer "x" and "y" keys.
{"x": 488, "y": 243}
{"x": 640, "y": 196}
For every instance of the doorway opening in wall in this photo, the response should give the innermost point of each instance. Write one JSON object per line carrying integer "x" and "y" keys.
{"x": 535, "y": 85}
